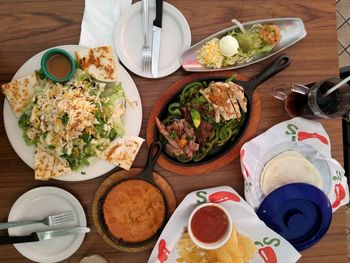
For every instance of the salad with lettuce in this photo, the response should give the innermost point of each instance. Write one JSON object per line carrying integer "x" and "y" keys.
{"x": 74, "y": 120}
{"x": 239, "y": 45}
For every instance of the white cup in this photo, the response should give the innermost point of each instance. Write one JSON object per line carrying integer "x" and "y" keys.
{"x": 217, "y": 244}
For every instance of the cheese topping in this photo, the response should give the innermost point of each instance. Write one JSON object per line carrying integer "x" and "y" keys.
{"x": 75, "y": 120}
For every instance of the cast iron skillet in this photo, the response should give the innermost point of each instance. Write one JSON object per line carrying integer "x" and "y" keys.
{"x": 145, "y": 175}
{"x": 276, "y": 66}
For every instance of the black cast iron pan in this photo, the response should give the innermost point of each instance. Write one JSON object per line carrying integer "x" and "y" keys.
{"x": 279, "y": 64}
{"x": 145, "y": 175}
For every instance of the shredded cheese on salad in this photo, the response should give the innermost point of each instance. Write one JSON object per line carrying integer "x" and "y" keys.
{"x": 75, "y": 120}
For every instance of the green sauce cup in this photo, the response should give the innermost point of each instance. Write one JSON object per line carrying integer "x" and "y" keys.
{"x": 44, "y": 64}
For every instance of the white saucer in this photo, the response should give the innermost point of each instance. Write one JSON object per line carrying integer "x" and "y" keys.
{"x": 36, "y": 204}
{"x": 128, "y": 38}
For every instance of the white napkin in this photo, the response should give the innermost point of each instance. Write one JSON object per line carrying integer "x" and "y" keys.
{"x": 100, "y": 17}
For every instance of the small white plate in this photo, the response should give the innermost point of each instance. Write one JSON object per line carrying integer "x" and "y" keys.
{"x": 128, "y": 38}
{"x": 97, "y": 167}
{"x": 39, "y": 203}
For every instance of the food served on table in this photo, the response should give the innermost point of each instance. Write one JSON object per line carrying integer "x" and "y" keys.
{"x": 70, "y": 122}
{"x": 251, "y": 244}
{"x": 98, "y": 62}
{"x": 239, "y": 46}
{"x": 209, "y": 226}
{"x": 201, "y": 118}
{"x": 122, "y": 151}
{"x": 57, "y": 65}
{"x": 134, "y": 210}
{"x": 47, "y": 165}
{"x": 20, "y": 92}
{"x": 238, "y": 248}
{"x": 286, "y": 168}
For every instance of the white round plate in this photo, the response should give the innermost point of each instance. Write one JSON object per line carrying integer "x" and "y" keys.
{"x": 97, "y": 167}
{"x": 175, "y": 38}
{"x": 39, "y": 203}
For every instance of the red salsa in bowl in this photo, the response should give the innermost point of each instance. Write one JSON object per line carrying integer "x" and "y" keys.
{"x": 209, "y": 226}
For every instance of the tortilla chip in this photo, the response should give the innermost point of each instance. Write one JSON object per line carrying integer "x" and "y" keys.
{"x": 189, "y": 252}
{"x": 233, "y": 240}
{"x": 20, "y": 92}
{"x": 122, "y": 151}
{"x": 230, "y": 252}
{"x": 246, "y": 247}
{"x": 98, "y": 62}
{"x": 238, "y": 249}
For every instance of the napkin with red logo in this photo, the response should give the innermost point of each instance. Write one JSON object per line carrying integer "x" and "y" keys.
{"x": 271, "y": 247}
{"x": 301, "y": 135}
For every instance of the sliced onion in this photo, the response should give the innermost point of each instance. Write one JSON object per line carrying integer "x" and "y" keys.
{"x": 234, "y": 21}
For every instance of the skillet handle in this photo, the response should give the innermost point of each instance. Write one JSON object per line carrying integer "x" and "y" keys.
{"x": 152, "y": 159}
{"x": 276, "y": 66}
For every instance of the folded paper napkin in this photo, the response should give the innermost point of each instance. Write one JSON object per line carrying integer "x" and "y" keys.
{"x": 99, "y": 20}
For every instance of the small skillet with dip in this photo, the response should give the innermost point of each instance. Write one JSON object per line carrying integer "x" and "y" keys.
{"x": 145, "y": 208}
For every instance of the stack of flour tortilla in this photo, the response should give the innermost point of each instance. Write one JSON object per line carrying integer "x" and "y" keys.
{"x": 286, "y": 168}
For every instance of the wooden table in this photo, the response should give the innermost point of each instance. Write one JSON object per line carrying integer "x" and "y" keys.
{"x": 28, "y": 27}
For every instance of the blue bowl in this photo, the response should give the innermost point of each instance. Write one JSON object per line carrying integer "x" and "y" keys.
{"x": 301, "y": 213}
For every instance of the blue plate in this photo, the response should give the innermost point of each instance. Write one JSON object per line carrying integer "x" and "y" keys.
{"x": 301, "y": 213}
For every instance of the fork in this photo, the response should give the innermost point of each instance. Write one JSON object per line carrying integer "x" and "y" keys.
{"x": 52, "y": 220}
{"x": 146, "y": 53}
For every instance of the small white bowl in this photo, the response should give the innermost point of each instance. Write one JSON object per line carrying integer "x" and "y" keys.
{"x": 217, "y": 244}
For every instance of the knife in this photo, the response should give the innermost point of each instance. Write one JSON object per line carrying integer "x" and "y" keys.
{"x": 44, "y": 235}
{"x": 157, "y": 30}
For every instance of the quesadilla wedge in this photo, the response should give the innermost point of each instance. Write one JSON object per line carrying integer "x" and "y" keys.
{"x": 60, "y": 167}
{"x": 48, "y": 165}
{"x": 122, "y": 151}
{"x": 20, "y": 92}
{"x": 44, "y": 163}
{"x": 98, "y": 62}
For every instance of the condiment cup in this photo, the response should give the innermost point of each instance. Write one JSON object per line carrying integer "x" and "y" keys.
{"x": 217, "y": 244}
{"x": 57, "y": 51}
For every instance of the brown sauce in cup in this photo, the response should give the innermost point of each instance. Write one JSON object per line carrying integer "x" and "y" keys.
{"x": 59, "y": 66}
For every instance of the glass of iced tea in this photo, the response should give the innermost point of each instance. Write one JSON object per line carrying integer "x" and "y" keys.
{"x": 310, "y": 101}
